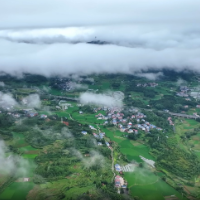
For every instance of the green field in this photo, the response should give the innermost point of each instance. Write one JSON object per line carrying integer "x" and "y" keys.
{"x": 145, "y": 182}
{"x": 142, "y": 182}
{"x": 153, "y": 189}
{"x": 149, "y": 186}
{"x": 17, "y": 191}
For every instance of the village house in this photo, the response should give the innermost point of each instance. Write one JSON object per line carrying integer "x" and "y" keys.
{"x": 31, "y": 114}
{"x": 122, "y": 129}
{"x": 114, "y": 121}
{"x": 130, "y": 131}
{"x": 16, "y": 115}
{"x": 26, "y": 179}
{"x": 43, "y": 116}
{"x": 119, "y": 181}
{"x": 117, "y": 167}
{"x": 91, "y": 127}
{"x": 95, "y": 135}
{"x": 101, "y": 135}
{"x": 84, "y": 132}
{"x": 107, "y": 144}
{"x": 129, "y": 126}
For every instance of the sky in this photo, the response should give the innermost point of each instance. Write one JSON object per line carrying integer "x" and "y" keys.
{"x": 51, "y": 37}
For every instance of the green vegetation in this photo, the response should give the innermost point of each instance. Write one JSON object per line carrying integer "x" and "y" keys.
{"x": 65, "y": 164}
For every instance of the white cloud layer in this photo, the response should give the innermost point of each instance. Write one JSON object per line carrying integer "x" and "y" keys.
{"x": 51, "y": 37}
{"x": 95, "y": 158}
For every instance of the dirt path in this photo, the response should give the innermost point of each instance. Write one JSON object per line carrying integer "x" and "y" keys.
{"x": 112, "y": 167}
{"x": 98, "y": 128}
{"x": 71, "y": 117}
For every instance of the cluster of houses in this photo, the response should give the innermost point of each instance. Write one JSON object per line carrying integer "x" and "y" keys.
{"x": 183, "y": 91}
{"x": 63, "y": 84}
{"x": 108, "y": 109}
{"x": 144, "y": 125}
{"x": 113, "y": 114}
{"x": 99, "y": 136}
{"x": 33, "y": 113}
{"x": 101, "y": 116}
{"x": 30, "y": 112}
{"x": 26, "y": 113}
{"x": 125, "y": 124}
{"x": 147, "y": 84}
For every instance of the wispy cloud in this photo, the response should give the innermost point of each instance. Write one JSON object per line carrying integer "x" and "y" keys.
{"x": 7, "y": 101}
{"x": 33, "y": 101}
{"x": 13, "y": 163}
{"x": 2, "y": 84}
{"x": 150, "y": 76}
{"x": 95, "y": 158}
{"x": 100, "y": 99}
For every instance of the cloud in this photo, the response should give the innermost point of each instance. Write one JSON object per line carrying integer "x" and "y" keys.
{"x": 83, "y": 59}
{"x": 2, "y": 84}
{"x": 100, "y": 99}
{"x": 13, "y": 163}
{"x": 51, "y": 134}
{"x": 181, "y": 82}
{"x": 67, "y": 13}
{"x": 77, "y": 86}
{"x": 66, "y": 133}
{"x": 95, "y": 158}
{"x": 47, "y": 109}
{"x": 32, "y": 101}
{"x": 150, "y": 76}
{"x": 7, "y": 101}
{"x": 137, "y": 36}
{"x": 45, "y": 89}
{"x": 76, "y": 77}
